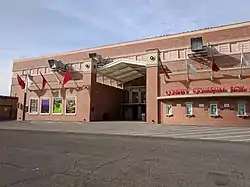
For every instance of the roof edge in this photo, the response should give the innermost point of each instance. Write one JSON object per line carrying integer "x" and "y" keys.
{"x": 155, "y": 38}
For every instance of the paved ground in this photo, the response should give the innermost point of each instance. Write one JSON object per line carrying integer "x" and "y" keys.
{"x": 241, "y": 134}
{"x": 34, "y": 159}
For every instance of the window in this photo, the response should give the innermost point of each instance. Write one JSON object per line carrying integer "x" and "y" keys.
{"x": 57, "y": 106}
{"x": 82, "y": 65}
{"x": 46, "y": 70}
{"x": 42, "y": 70}
{"x": 28, "y": 71}
{"x": 45, "y": 106}
{"x": 143, "y": 96}
{"x": 39, "y": 70}
{"x": 33, "y": 106}
{"x": 70, "y": 108}
{"x": 213, "y": 110}
{"x": 78, "y": 66}
{"x": 241, "y": 109}
{"x": 34, "y": 71}
{"x": 24, "y": 72}
{"x": 135, "y": 97}
{"x": 169, "y": 111}
{"x": 189, "y": 109}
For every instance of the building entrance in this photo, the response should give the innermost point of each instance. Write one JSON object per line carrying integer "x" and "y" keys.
{"x": 133, "y": 112}
{"x": 135, "y": 107}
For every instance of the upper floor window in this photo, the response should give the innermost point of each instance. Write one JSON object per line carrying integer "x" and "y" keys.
{"x": 34, "y": 71}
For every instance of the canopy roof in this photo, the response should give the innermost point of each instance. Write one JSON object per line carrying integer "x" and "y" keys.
{"x": 123, "y": 70}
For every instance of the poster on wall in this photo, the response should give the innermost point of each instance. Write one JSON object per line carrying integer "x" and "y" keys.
{"x": 213, "y": 109}
{"x": 33, "y": 106}
{"x": 169, "y": 109}
{"x": 45, "y": 105}
{"x": 70, "y": 105}
{"x": 57, "y": 106}
{"x": 189, "y": 109}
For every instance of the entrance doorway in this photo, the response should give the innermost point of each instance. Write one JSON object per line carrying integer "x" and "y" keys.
{"x": 133, "y": 112}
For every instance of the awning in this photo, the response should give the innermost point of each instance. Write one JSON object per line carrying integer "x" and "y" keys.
{"x": 123, "y": 70}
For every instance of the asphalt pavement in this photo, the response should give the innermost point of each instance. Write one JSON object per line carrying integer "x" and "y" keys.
{"x": 35, "y": 158}
{"x": 201, "y": 132}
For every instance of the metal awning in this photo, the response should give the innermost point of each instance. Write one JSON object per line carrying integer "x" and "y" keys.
{"x": 123, "y": 70}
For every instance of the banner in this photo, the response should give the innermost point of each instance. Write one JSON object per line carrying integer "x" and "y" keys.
{"x": 45, "y": 106}
{"x": 70, "y": 105}
{"x": 57, "y": 106}
{"x": 33, "y": 106}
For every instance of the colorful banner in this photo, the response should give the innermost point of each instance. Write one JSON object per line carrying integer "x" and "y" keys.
{"x": 57, "y": 106}
{"x": 33, "y": 106}
{"x": 45, "y": 106}
{"x": 70, "y": 105}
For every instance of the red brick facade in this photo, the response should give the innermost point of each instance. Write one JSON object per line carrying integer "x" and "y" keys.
{"x": 97, "y": 101}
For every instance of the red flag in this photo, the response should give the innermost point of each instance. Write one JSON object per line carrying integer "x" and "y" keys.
{"x": 20, "y": 81}
{"x": 164, "y": 70}
{"x": 67, "y": 78}
{"x": 214, "y": 65}
{"x": 44, "y": 81}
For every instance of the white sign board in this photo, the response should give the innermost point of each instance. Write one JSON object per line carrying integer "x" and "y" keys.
{"x": 201, "y": 105}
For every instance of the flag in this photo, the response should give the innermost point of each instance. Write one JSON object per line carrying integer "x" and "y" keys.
{"x": 67, "y": 78}
{"x": 20, "y": 81}
{"x": 214, "y": 65}
{"x": 191, "y": 69}
{"x": 44, "y": 81}
{"x": 29, "y": 80}
{"x": 163, "y": 69}
{"x": 243, "y": 61}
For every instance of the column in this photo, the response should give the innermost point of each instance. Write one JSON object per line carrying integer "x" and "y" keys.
{"x": 152, "y": 89}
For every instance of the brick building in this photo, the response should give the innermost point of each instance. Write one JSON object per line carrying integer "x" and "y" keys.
{"x": 208, "y": 80}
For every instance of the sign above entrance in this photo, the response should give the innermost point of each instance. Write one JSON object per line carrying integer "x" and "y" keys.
{"x": 206, "y": 90}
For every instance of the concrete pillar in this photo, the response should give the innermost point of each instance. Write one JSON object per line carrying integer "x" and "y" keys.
{"x": 22, "y": 105}
{"x": 89, "y": 97}
{"x": 152, "y": 86}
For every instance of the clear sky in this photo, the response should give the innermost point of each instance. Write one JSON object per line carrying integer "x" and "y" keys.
{"x": 31, "y": 28}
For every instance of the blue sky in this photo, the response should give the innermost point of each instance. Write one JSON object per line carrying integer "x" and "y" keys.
{"x": 31, "y": 28}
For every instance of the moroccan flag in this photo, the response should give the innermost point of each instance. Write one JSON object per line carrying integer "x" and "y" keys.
{"x": 67, "y": 78}
{"x": 164, "y": 70}
{"x": 20, "y": 82}
{"x": 214, "y": 65}
{"x": 44, "y": 81}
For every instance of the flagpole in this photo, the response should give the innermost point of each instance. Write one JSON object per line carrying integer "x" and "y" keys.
{"x": 187, "y": 65}
{"x": 74, "y": 81}
{"x": 241, "y": 63}
{"x": 29, "y": 79}
{"x": 45, "y": 80}
{"x": 163, "y": 69}
{"x": 211, "y": 55}
{"x": 25, "y": 98}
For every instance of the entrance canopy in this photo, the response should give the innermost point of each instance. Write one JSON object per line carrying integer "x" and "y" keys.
{"x": 123, "y": 70}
